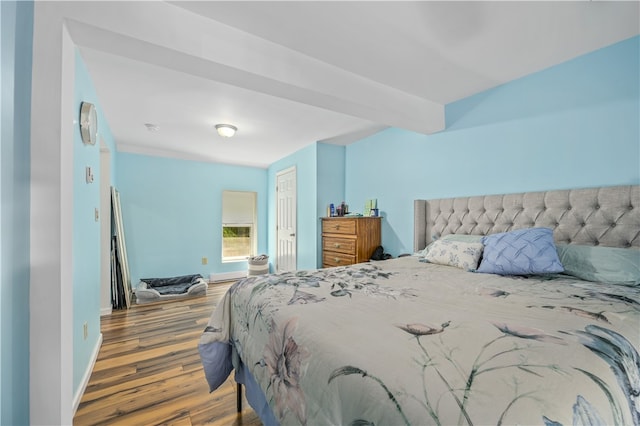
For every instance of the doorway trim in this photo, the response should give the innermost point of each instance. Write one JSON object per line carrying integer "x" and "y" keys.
{"x": 105, "y": 229}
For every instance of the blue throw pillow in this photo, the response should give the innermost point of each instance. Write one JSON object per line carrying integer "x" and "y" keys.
{"x": 521, "y": 252}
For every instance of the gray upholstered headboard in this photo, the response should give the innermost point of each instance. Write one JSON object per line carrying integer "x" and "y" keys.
{"x": 608, "y": 216}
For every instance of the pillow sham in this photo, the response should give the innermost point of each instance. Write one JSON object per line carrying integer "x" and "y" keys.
{"x": 609, "y": 265}
{"x": 465, "y": 238}
{"x": 460, "y": 254}
{"x": 520, "y": 252}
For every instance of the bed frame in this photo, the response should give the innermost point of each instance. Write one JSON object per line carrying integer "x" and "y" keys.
{"x": 607, "y": 216}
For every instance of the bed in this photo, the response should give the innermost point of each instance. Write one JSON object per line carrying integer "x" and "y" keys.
{"x": 434, "y": 338}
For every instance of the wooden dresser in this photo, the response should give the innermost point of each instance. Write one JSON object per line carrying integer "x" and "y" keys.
{"x": 349, "y": 240}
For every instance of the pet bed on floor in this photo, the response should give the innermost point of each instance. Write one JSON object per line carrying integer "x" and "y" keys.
{"x": 156, "y": 289}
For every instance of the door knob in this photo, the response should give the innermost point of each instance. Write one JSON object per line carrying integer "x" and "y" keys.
{"x": 292, "y": 235}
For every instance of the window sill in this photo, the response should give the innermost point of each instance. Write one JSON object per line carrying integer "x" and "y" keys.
{"x": 235, "y": 260}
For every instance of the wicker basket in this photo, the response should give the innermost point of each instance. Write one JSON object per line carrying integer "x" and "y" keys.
{"x": 258, "y": 265}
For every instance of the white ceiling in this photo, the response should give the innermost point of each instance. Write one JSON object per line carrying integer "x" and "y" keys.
{"x": 288, "y": 74}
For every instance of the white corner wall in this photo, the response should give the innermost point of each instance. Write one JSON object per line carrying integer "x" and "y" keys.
{"x": 51, "y": 304}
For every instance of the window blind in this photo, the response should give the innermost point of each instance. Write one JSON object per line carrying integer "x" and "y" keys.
{"x": 238, "y": 207}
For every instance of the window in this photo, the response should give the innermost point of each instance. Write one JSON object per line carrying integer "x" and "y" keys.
{"x": 238, "y": 225}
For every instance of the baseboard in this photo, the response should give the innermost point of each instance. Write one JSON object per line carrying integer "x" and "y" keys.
{"x": 106, "y": 311}
{"x": 227, "y": 276}
{"x": 87, "y": 375}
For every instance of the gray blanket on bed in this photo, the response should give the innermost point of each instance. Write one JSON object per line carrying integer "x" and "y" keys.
{"x": 408, "y": 343}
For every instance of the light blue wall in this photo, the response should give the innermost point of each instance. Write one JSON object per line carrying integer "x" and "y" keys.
{"x": 17, "y": 42}
{"x": 172, "y": 214}
{"x": 308, "y": 213}
{"x": 330, "y": 183}
{"x": 86, "y": 230}
{"x": 573, "y": 125}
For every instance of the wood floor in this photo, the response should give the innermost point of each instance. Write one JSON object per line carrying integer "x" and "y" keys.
{"x": 148, "y": 370}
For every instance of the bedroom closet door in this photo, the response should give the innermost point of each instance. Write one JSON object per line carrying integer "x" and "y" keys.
{"x": 286, "y": 221}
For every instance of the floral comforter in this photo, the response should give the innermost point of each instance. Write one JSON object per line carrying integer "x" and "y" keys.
{"x": 402, "y": 342}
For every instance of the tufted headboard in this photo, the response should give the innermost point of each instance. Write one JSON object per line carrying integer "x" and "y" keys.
{"x": 608, "y": 216}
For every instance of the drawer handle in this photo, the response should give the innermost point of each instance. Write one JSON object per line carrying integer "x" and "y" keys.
{"x": 337, "y": 260}
{"x": 337, "y": 226}
{"x": 336, "y": 245}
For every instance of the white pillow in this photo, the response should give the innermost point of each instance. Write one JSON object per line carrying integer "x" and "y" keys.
{"x": 465, "y": 238}
{"x": 460, "y": 254}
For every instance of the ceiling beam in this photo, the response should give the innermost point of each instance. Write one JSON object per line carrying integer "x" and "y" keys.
{"x": 227, "y": 55}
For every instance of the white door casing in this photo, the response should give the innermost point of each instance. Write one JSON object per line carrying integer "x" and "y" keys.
{"x": 286, "y": 220}
{"x": 105, "y": 229}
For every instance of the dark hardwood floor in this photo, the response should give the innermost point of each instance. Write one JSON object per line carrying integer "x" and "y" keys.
{"x": 148, "y": 370}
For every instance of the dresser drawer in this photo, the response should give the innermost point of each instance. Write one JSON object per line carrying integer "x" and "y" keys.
{"x": 341, "y": 226}
{"x": 341, "y": 245}
{"x": 336, "y": 259}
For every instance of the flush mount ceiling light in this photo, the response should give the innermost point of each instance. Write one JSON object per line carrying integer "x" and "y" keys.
{"x": 226, "y": 130}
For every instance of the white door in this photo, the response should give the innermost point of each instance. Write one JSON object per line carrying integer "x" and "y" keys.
{"x": 286, "y": 220}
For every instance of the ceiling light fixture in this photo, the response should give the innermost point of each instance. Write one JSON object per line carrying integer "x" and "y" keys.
{"x": 226, "y": 130}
